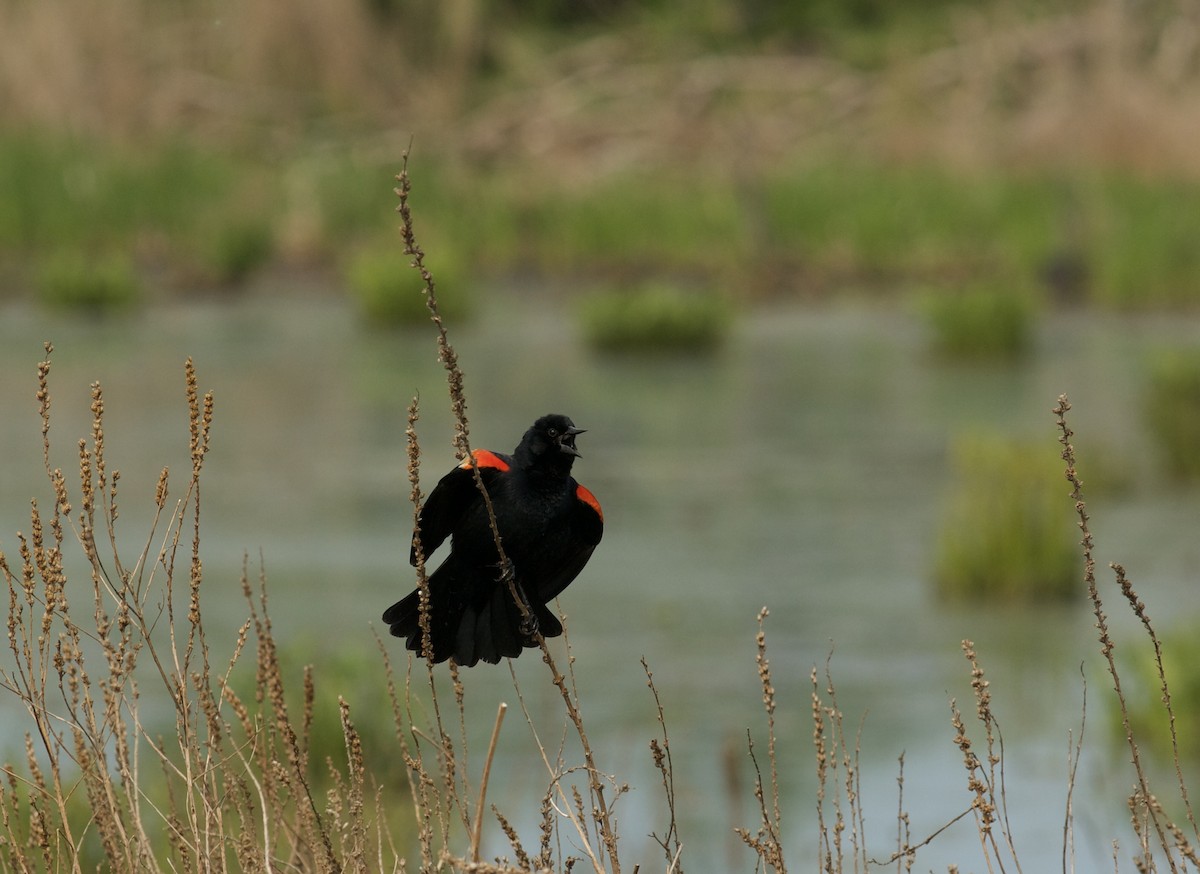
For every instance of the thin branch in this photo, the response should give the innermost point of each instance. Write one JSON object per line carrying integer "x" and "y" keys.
{"x": 483, "y": 781}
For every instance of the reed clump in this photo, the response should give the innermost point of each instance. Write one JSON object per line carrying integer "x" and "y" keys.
{"x": 656, "y": 317}
{"x": 388, "y": 294}
{"x": 234, "y": 250}
{"x": 980, "y": 323}
{"x": 1173, "y": 411}
{"x": 1177, "y": 656}
{"x": 95, "y": 285}
{"x": 1026, "y": 549}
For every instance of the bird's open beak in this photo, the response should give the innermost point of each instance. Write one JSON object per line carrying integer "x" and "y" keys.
{"x": 567, "y": 442}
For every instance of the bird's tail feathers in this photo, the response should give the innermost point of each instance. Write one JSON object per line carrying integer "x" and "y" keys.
{"x": 472, "y": 617}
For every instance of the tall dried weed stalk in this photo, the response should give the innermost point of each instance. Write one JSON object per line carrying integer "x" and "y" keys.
{"x": 229, "y": 782}
{"x": 591, "y": 823}
{"x": 1163, "y": 841}
{"x": 222, "y": 783}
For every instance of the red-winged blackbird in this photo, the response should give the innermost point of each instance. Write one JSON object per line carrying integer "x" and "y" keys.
{"x": 549, "y": 524}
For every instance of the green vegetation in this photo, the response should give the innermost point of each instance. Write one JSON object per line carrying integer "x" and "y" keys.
{"x": 763, "y": 150}
{"x": 390, "y": 293}
{"x": 1142, "y": 243}
{"x": 889, "y": 221}
{"x": 1006, "y": 532}
{"x": 816, "y": 228}
{"x": 980, "y": 322}
{"x": 96, "y": 285}
{"x": 233, "y": 251}
{"x": 656, "y": 317}
{"x": 61, "y": 192}
{"x": 1179, "y": 664}
{"x": 1173, "y": 411}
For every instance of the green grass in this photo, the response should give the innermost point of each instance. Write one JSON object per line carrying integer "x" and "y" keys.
{"x": 1173, "y": 411}
{"x": 818, "y": 226}
{"x": 1006, "y": 532}
{"x": 1181, "y": 666}
{"x": 61, "y": 192}
{"x": 655, "y": 317}
{"x": 229, "y": 254}
{"x": 876, "y": 220}
{"x": 1142, "y": 242}
{"x": 980, "y": 322}
{"x": 77, "y": 282}
{"x": 389, "y": 292}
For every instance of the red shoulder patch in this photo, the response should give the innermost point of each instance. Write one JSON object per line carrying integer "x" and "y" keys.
{"x": 588, "y": 498}
{"x": 484, "y": 458}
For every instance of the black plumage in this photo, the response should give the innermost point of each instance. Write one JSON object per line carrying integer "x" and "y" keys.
{"x": 549, "y": 525}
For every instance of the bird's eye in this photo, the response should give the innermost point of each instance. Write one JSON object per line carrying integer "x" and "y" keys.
{"x": 552, "y": 433}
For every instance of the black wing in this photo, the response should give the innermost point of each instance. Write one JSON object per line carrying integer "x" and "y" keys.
{"x": 452, "y": 497}
{"x": 586, "y": 527}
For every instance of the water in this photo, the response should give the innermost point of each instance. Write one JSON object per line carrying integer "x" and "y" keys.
{"x": 802, "y": 468}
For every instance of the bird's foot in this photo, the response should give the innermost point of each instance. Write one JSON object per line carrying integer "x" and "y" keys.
{"x": 508, "y": 576}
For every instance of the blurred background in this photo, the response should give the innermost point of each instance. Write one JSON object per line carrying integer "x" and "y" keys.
{"x": 812, "y": 276}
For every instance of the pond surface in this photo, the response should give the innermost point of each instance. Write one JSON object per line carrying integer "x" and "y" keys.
{"x": 803, "y": 468}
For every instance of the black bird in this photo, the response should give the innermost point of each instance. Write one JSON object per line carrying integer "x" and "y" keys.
{"x": 549, "y": 524}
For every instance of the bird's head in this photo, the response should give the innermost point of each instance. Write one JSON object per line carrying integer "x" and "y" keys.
{"x": 551, "y": 440}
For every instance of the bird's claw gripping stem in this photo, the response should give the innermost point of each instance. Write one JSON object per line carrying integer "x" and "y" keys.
{"x": 508, "y": 576}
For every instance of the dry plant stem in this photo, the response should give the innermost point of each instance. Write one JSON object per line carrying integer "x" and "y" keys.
{"x": 452, "y": 767}
{"x": 822, "y": 760}
{"x": 526, "y": 864}
{"x": 413, "y": 450}
{"x": 601, "y": 808}
{"x": 557, "y": 772}
{"x": 903, "y": 855}
{"x": 449, "y": 359}
{"x": 483, "y": 781}
{"x": 453, "y": 770}
{"x": 835, "y": 751}
{"x": 661, "y": 752}
{"x": 356, "y": 847}
{"x": 768, "y": 688}
{"x": 235, "y": 791}
{"x": 1139, "y": 610}
{"x": 36, "y": 659}
{"x": 909, "y": 852}
{"x": 975, "y": 784}
{"x": 766, "y": 842}
{"x": 1074, "y": 754}
{"x": 421, "y": 785}
{"x": 847, "y": 760}
{"x": 996, "y": 796}
{"x": 461, "y": 759}
{"x": 1106, "y": 644}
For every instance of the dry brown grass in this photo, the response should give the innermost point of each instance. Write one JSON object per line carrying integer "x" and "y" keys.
{"x": 594, "y": 827}
{"x": 1106, "y": 83}
{"x": 225, "y": 783}
{"x": 137, "y": 69}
